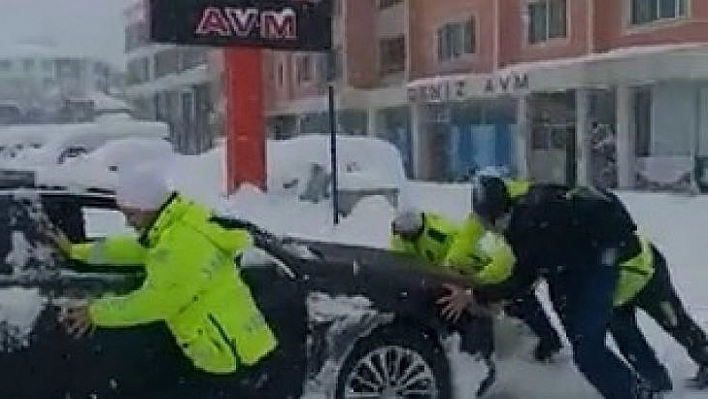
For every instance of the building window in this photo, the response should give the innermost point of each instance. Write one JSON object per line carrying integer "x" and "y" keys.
{"x": 648, "y": 11}
{"x": 138, "y": 71}
{"x": 304, "y": 68}
{"x": 456, "y": 39}
{"x": 323, "y": 67}
{"x": 5, "y": 65}
{"x": 392, "y": 55}
{"x": 28, "y": 65}
{"x": 547, "y": 20}
{"x": 136, "y": 35}
{"x": 281, "y": 74}
{"x": 388, "y": 3}
{"x": 192, "y": 57}
{"x": 167, "y": 62}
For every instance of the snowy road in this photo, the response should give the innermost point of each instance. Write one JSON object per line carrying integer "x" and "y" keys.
{"x": 676, "y": 223}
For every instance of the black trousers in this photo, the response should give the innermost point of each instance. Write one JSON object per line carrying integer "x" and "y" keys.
{"x": 477, "y": 331}
{"x": 528, "y": 308}
{"x": 661, "y": 302}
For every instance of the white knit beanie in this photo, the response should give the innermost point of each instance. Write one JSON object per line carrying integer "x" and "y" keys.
{"x": 143, "y": 188}
{"x": 407, "y": 222}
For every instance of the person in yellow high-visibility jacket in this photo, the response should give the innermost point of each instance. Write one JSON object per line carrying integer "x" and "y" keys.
{"x": 472, "y": 252}
{"x": 645, "y": 283}
{"x": 191, "y": 283}
{"x": 642, "y": 278}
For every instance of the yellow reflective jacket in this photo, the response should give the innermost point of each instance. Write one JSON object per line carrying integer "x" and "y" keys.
{"x": 483, "y": 256}
{"x": 191, "y": 284}
{"x": 635, "y": 274}
{"x": 433, "y": 244}
{"x": 517, "y": 187}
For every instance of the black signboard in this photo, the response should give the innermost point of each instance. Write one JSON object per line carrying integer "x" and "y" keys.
{"x": 298, "y": 25}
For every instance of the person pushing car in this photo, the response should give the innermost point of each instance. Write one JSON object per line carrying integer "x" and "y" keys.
{"x": 191, "y": 283}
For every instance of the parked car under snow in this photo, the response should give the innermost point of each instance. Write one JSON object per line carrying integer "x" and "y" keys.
{"x": 351, "y": 322}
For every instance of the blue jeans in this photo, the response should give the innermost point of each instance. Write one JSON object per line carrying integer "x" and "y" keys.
{"x": 583, "y": 300}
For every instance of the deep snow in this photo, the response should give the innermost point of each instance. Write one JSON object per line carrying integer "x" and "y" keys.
{"x": 676, "y": 223}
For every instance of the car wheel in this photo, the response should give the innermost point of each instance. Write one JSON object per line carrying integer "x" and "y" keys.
{"x": 396, "y": 363}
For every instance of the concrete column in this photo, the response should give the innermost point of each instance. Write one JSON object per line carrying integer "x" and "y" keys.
{"x": 625, "y": 138}
{"x": 523, "y": 137}
{"x": 298, "y": 125}
{"x": 372, "y": 122}
{"x": 582, "y": 137}
{"x": 418, "y": 117}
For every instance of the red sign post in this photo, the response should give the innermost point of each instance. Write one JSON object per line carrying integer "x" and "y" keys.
{"x": 245, "y": 122}
{"x": 244, "y": 27}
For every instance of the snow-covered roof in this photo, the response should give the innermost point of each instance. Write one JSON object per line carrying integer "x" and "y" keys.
{"x": 104, "y": 102}
{"x": 19, "y": 51}
{"x": 15, "y": 51}
{"x": 612, "y": 55}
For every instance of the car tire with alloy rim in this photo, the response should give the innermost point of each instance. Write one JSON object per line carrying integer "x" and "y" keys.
{"x": 396, "y": 363}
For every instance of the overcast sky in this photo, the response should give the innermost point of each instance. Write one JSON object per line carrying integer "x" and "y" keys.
{"x": 91, "y": 26}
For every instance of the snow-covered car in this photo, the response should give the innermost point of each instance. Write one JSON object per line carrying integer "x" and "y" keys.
{"x": 351, "y": 322}
{"x": 363, "y": 162}
{"x": 53, "y": 144}
{"x": 120, "y": 153}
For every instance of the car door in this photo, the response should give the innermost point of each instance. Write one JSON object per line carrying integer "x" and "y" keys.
{"x": 281, "y": 297}
{"x": 139, "y": 361}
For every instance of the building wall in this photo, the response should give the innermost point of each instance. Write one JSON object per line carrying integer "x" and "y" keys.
{"x": 501, "y": 45}
{"x": 427, "y": 16}
{"x": 360, "y": 43}
{"x": 613, "y": 28}
{"x": 514, "y": 43}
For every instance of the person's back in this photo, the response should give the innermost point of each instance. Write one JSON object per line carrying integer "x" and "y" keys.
{"x": 575, "y": 240}
{"x": 560, "y": 227}
{"x": 191, "y": 281}
{"x": 424, "y": 235}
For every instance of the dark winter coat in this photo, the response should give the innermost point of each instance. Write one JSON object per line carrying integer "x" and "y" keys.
{"x": 572, "y": 229}
{"x": 553, "y": 229}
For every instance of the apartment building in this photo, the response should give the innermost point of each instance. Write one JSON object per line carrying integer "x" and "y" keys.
{"x": 369, "y": 67}
{"x": 43, "y": 82}
{"x": 531, "y": 85}
{"x": 173, "y": 84}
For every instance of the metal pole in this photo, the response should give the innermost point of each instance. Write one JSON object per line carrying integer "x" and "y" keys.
{"x": 333, "y": 152}
{"x": 331, "y": 61}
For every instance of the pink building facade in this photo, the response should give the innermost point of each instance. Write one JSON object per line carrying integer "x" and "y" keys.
{"x": 541, "y": 88}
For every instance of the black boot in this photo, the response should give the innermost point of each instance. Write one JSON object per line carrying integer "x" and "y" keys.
{"x": 545, "y": 350}
{"x": 663, "y": 383}
{"x": 700, "y": 381}
{"x": 644, "y": 390}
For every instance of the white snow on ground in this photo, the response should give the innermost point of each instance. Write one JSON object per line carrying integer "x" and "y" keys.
{"x": 676, "y": 223}
{"x": 19, "y": 310}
